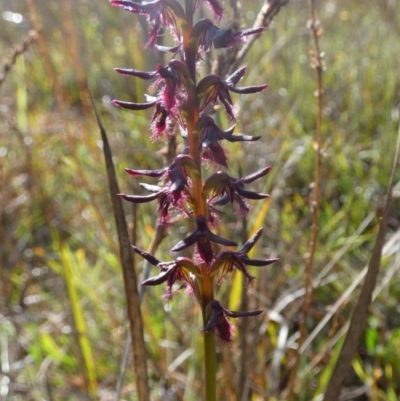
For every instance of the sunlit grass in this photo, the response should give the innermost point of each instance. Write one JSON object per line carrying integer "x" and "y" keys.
{"x": 52, "y": 179}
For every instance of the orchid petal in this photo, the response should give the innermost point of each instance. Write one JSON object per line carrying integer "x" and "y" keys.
{"x": 159, "y": 279}
{"x": 133, "y": 106}
{"x": 251, "y": 241}
{"x": 139, "y": 198}
{"x": 258, "y": 174}
{"x": 136, "y": 73}
{"x": 236, "y": 76}
{"x": 242, "y": 314}
{"x": 145, "y": 255}
{"x": 148, "y": 173}
{"x": 247, "y": 89}
{"x": 250, "y": 194}
{"x": 259, "y": 262}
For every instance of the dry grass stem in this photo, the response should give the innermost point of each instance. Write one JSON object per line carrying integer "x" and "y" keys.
{"x": 318, "y": 64}
{"x": 360, "y": 313}
{"x": 6, "y": 67}
{"x": 129, "y": 274}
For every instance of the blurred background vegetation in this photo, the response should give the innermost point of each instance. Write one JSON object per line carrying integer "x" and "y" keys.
{"x": 60, "y": 273}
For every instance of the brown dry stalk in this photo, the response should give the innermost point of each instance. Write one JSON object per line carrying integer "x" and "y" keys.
{"x": 318, "y": 64}
{"x": 360, "y": 313}
{"x": 129, "y": 274}
{"x": 169, "y": 152}
{"x": 158, "y": 236}
{"x": 15, "y": 52}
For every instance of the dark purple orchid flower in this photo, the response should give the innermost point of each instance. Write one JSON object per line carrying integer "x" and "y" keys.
{"x": 227, "y": 38}
{"x": 160, "y": 13}
{"x": 177, "y": 172}
{"x": 205, "y": 33}
{"x": 174, "y": 79}
{"x": 181, "y": 104}
{"x": 210, "y": 135}
{"x": 178, "y": 270}
{"x": 226, "y": 260}
{"x": 202, "y": 236}
{"x": 166, "y": 199}
{"x": 202, "y": 36}
{"x": 172, "y": 193}
{"x": 211, "y": 88}
{"x": 221, "y": 188}
{"x": 161, "y": 116}
{"x": 218, "y": 320}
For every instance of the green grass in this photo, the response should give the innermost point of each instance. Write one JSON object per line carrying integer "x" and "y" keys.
{"x": 62, "y": 308}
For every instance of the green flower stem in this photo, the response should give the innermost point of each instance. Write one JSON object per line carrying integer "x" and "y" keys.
{"x": 210, "y": 362}
{"x": 210, "y": 366}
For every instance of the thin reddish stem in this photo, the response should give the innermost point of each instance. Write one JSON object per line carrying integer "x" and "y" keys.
{"x": 200, "y": 205}
{"x": 318, "y": 64}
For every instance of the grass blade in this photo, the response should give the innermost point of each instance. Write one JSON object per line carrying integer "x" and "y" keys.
{"x": 129, "y": 273}
{"x": 79, "y": 320}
